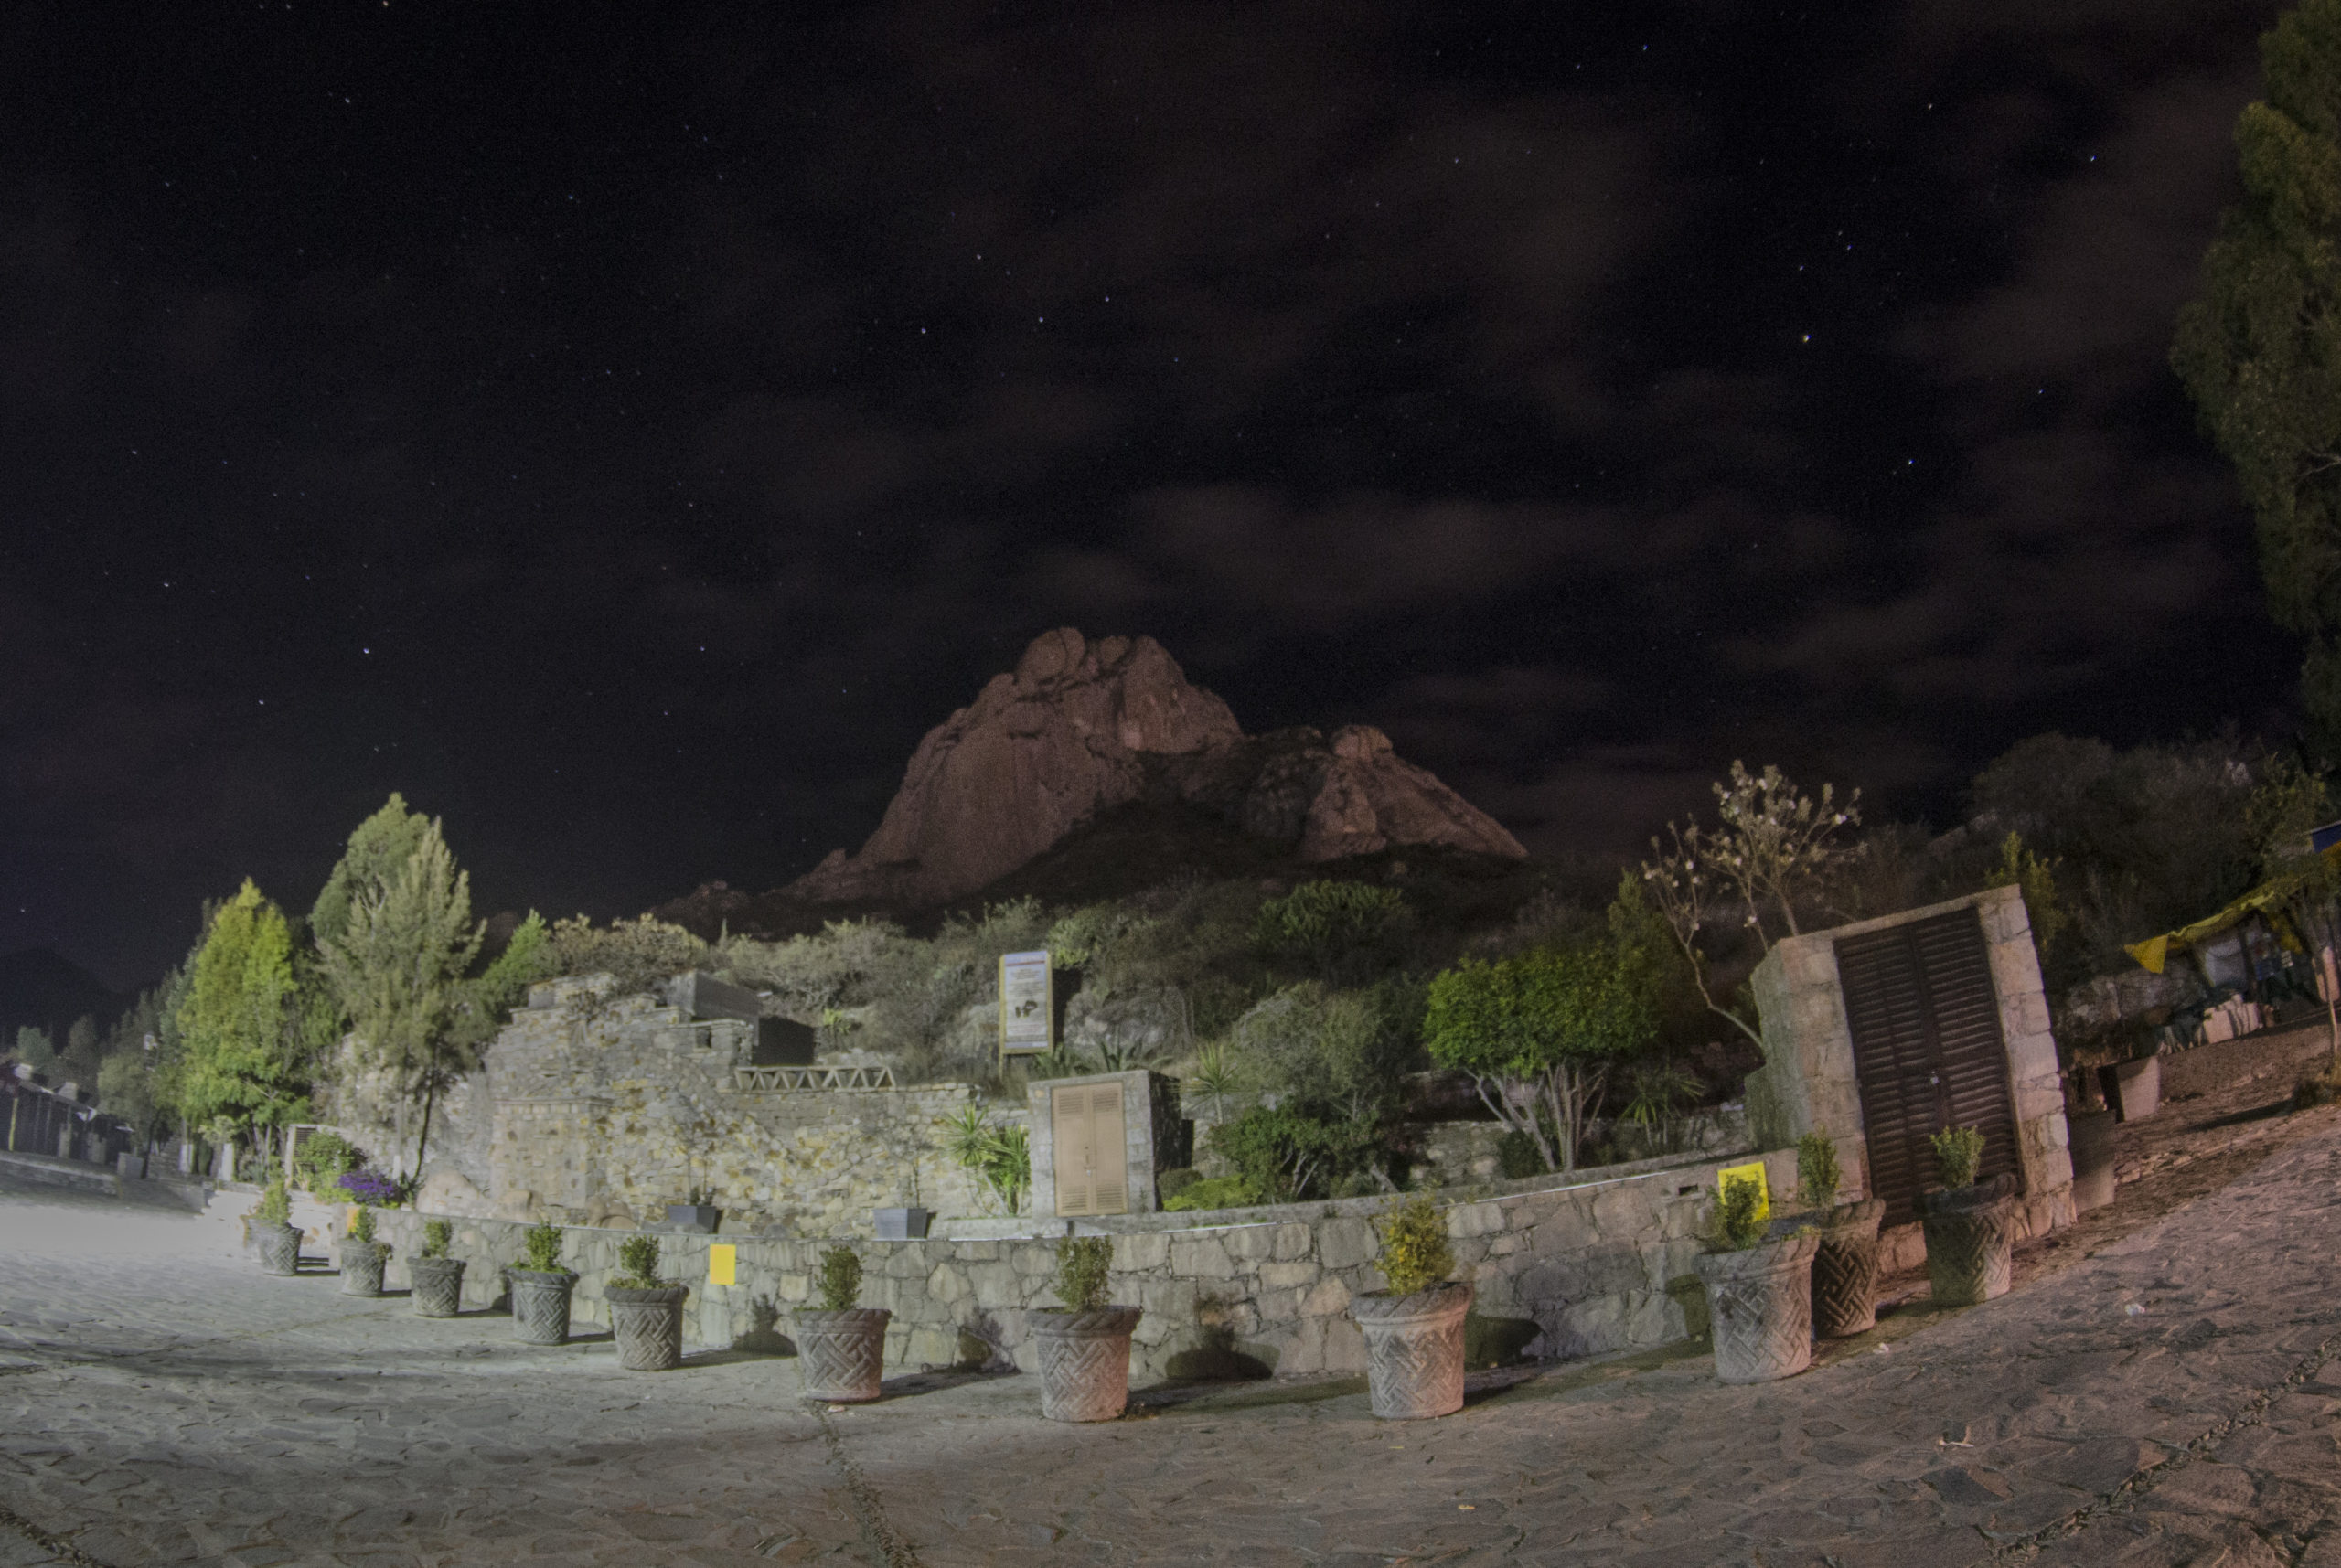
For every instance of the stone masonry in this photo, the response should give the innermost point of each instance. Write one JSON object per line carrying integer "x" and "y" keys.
{"x": 1560, "y": 1271}
{"x": 617, "y": 1107}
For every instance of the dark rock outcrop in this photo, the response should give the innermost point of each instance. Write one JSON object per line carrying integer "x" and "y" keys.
{"x": 1081, "y": 728}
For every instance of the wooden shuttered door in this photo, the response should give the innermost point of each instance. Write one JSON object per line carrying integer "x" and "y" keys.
{"x": 1090, "y": 1149}
{"x": 1927, "y": 1051}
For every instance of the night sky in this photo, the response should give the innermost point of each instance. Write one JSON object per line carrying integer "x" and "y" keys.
{"x": 625, "y": 431}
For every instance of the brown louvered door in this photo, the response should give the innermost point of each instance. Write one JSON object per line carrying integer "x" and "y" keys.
{"x": 1089, "y": 1139}
{"x": 1928, "y": 1049}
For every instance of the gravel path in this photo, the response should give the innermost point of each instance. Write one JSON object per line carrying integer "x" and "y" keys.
{"x": 2171, "y": 1399}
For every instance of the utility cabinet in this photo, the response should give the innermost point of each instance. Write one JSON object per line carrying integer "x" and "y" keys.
{"x": 1099, "y": 1141}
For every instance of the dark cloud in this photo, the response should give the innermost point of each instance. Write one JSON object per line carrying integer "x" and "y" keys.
{"x": 627, "y": 439}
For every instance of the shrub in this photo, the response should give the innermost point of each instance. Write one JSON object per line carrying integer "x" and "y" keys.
{"x": 544, "y": 1248}
{"x": 323, "y": 1157}
{"x": 1286, "y": 1154}
{"x": 1415, "y": 1250}
{"x": 1001, "y": 1157}
{"x": 1737, "y": 1224}
{"x": 1958, "y": 1152}
{"x": 1336, "y": 929}
{"x": 1215, "y": 1192}
{"x": 436, "y": 1234}
{"x": 639, "y": 1256}
{"x": 361, "y": 1224}
{"x": 1516, "y": 1157}
{"x": 1817, "y": 1176}
{"x": 275, "y": 1204}
{"x": 840, "y": 1279}
{"x": 1173, "y": 1182}
{"x": 1082, "y": 1266}
{"x": 2322, "y": 1087}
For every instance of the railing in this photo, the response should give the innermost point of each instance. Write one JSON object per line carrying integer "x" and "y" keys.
{"x": 798, "y": 1080}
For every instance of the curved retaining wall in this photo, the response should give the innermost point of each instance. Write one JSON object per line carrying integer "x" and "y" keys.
{"x": 1560, "y": 1272}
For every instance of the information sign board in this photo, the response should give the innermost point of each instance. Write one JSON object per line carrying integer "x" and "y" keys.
{"x": 1027, "y": 1007}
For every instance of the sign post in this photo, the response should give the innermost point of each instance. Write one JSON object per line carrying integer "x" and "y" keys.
{"x": 1028, "y": 1014}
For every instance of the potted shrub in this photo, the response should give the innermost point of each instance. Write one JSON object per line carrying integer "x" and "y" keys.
{"x": 438, "y": 1278}
{"x": 1968, "y": 1223}
{"x": 1844, "y": 1262}
{"x": 646, "y": 1312}
{"x": 540, "y": 1288}
{"x": 1083, "y": 1349}
{"x": 362, "y": 1256}
{"x": 841, "y": 1348}
{"x": 274, "y": 1236}
{"x": 1414, "y": 1328}
{"x": 1759, "y": 1291}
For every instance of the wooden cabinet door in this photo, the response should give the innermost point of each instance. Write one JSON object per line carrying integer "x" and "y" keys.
{"x": 1087, "y": 1138}
{"x": 1927, "y": 1051}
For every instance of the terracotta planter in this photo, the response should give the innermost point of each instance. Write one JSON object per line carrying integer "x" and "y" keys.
{"x": 438, "y": 1287}
{"x": 278, "y": 1247}
{"x": 1967, "y": 1234}
{"x": 1844, "y": 1271}
{"x": 540, "y": 1305}
{"x": 841, "y": 1356}
{"x": 2088, "y": 1136}
{"x": 1760, "y": 1308}
{"x": 2138, "y": 1086}
{"x": 1414, "y": 1349}
{"x": 361, "y": 1268}
{"x": 647, "y": 1323}
{"x": 1085, "y": 1361}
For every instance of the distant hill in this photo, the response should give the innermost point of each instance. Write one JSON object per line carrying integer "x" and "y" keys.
{"x": 1131, "y": 849}
{"x": 1095, "y": 770}
{"x": 49, "y": 991}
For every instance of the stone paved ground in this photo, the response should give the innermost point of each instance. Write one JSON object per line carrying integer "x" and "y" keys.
{"x": 2173, "y": 1399}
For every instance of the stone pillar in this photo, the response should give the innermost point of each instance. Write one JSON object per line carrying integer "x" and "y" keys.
{"x": 65, "y": 1140}
{"x": 223, "y": 1164}
{"x": 186, "y": 1157}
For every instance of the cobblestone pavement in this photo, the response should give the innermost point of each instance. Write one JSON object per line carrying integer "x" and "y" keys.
{"x": 2173, "y": 1399}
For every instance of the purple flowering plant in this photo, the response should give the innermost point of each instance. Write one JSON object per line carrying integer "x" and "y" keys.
{"x": 371, "y": 1186}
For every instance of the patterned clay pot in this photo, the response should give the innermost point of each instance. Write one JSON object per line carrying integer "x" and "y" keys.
{"x": 438, "y": 1287}
{"x": 2089, "y": 1140}
{"x": 1414, "y": 1349}
{"x": 540, "y": 1305}
{"x": 648, "y": 1324}
{"x": 278, "y": 1247}
{"x": 1844, "y": 1271}
{"x": 1759, "y": 1306}
{"x": 361, "y": 1267}
{"x": 1968, "y": 1233}
{"x": 841, "y": 1356}
{"x": 1084, "y": 1360}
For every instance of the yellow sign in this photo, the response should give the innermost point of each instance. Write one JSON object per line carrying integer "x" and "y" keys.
{"x": 722, "y": 1264}
{"x": 1754, "y": 1172}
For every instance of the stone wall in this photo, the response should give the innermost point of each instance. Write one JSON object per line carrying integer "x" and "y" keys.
{"x": 1809, "y": 1079}
{"x": 1561, "y": 1271}
{"x": 612, "y": 1108}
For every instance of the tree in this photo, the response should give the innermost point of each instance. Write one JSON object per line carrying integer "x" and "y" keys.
{"x": 395, "y": 965}
{"x": 245, "y": 1067}
{"x": 35, "y": 1049}
{"x": 80, "y": 1059}
{"x": 2260, "y": 346}
{"x": 1539, "y": 1032}
{"x": 1772, "y": 847}
{"x": 378, "y": 849}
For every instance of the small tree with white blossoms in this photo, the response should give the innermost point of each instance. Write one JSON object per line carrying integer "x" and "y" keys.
{"x": 1771, "y": 844}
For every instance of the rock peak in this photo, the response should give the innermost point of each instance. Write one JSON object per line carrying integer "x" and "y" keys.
{"x": 1082, "y": 726}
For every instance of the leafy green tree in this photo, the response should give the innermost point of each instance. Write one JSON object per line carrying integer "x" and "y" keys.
{"x": 396, "y": 966}
{"x": 80, "y": 1059}
{"x": 2260, "y": 347}
{"x": 245, "y": 1067}
{"x": 35, "y": 1049}
{"x": 1288, "y": 1154}
{"x": 378, "y": 851}
{"x": 1539, "y": 1031}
